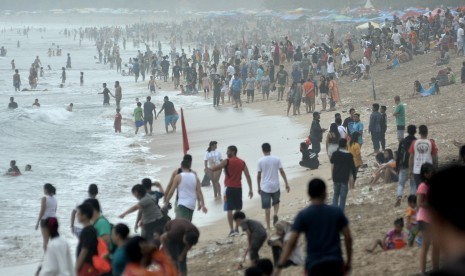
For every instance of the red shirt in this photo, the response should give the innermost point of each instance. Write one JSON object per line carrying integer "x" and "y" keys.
{"x": 233, "y": 172}
{"x": 118, "y": 118}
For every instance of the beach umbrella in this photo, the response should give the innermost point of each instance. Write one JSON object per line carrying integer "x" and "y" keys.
{"x": 434, "y": 12}
{"x": 365, "y": 26}
{"x": 411, "y": 14}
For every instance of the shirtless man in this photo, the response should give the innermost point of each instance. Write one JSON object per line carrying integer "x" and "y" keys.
{"x": 17, "y": 81}
{"x": 118, "y": 94}
{"x": 13, "y": 170}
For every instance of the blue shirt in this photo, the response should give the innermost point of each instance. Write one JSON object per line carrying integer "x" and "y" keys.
{"x": 356, "y": 126}
{"x": 296, "y": 76}
{"x": 322, "y": 225}
{"x": 119, "y": 261}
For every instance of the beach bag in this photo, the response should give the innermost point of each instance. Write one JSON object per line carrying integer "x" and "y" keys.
{"x": 206, "y": 180}
{"x": 100, "y": 261}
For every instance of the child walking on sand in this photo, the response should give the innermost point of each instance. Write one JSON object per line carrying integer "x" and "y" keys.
{"x": 394, "y": 239}
{"x": 152, "y": 85}
{"x": 411, "y": 216}
{"x": 118, "y": 118}
{"x": 256, "y": 235}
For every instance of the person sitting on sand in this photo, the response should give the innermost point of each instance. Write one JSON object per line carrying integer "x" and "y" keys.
{"x": 13, "y": 170}
{"x": 309, "y": 158}
{"x": 278, "y": 241}
{"x": 443, "y": 59}
{"x": 445, "y": 77}
{"x": 394, "y": 239}
{"x": 418, "y": 88}
{"x": 386, "y": 168}
{"x": 394, "y": 63}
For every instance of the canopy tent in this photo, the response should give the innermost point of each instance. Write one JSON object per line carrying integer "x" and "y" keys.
{"x": 365, "y": 26}
{"x": 292, "y": 17}
{"x": 410, "y": 14}
{"x": 369, "y": 5}
{"x": 434, "y": 12}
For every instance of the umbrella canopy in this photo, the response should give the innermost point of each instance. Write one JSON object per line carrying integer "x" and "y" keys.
{"x": 434, "y": 12}
{"x": 365, "y": 26}
{"x": 411, "y": 14}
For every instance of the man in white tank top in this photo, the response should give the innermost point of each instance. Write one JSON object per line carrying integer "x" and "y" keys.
{"x": 189, "y": 191}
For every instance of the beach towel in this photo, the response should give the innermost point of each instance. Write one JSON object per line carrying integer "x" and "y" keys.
{"x": 428, "y": 92}
{"x": 395, "y": 63}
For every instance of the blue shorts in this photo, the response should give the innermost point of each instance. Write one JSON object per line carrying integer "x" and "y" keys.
{"x": 139, "y": 123}
{"x": 269, "y": 199}
{"x": 171, "y": 119}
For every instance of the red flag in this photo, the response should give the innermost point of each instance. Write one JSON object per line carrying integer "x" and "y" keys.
{"x": 185, "y": 140}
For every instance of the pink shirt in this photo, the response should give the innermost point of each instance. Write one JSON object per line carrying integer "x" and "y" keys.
{"x": 422, "y": 214}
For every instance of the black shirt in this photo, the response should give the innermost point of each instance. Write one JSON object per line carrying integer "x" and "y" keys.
{"x": 344, "y": 165}
{"x": 176, "y": 71}
{"x": 347, "y": 121}
{"x": 88, "y": 240}
{"x": 149, "y": 107}
{"x": 169, "y": 108}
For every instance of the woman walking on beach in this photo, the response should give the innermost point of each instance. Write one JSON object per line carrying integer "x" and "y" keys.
{"x": 213, "y": 158}
{"x": 48, "y": 209}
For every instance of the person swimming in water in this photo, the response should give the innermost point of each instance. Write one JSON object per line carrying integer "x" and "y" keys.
{"x": 28, "y": 168}
{"x": 13, "y": 170}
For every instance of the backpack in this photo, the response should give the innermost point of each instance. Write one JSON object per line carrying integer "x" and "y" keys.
{"x": 113, "y": 246}
{"x": 403, "y": 153}
{"x": 100, "y": 261}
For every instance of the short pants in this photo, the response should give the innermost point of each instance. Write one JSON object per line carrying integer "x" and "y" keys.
{"x": 269, "y": 199}
{"x": 233, "y": 199}
{"x": 139, "y": 123}
{"x": 171, "y": 119}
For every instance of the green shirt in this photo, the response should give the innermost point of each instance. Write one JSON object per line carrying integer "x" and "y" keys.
{"x": 119, "y": 261}
{"x": 138, "y": 114}
{"x": 103, "y": 228}
{"x": 400, "y": 111}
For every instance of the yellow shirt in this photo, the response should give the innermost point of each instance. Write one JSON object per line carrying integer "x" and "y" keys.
{"x": 355, "y": 150}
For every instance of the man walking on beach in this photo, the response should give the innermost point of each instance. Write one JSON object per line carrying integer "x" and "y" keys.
{"x": 399, "y": 113}
{"x": 171, "y": 117}
{"x": 118, "y": 94}
{"x": 233, "y": 168}
{"x": 189, "y": 191}
{"x": 402, "y": 163}
{"x": 316, "y": 133}
{"x": 149, "y": 112}
{"x": 268, "y": 182}
{"x": 236, "y": 87}
{"x": 344, "y": 165}
{"x": 322, "y": 225}
{"x": 375, "y": 128}
{"x": 422, "y": 151}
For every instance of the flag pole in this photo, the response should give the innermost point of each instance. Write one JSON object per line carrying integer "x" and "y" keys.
{"x": 185, "y": 140}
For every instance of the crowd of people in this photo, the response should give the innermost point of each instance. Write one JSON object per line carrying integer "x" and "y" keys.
{"x": 298, "y": 63}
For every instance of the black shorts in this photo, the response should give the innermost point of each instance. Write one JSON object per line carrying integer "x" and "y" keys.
{"x": 255, "y": 245}
{"x": 233, "y": 199}
{"x": 148, "y": 120}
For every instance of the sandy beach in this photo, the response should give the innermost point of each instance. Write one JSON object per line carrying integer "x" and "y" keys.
{"x": 370, "y": 213}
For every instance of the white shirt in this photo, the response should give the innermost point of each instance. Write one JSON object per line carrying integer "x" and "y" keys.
{"x": 237, "y": 54}
{"x": 460, "y": 35}
{"x": 296, "y": 255}
{"x": 330, "y": 69}
{"x": 57, "y": 259}
{"x": 342, "y": 132}
{"x": 423, "y": 149}
{"x": 396, "y": 38}
{"x": 213, "y": 158}
{"x": 362, "y": 68}
{"x": 50, "y": 207}
{"x": 231, "y": 71}
{"x": 269, "y": 166}
{"x": 187, "y": 190}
